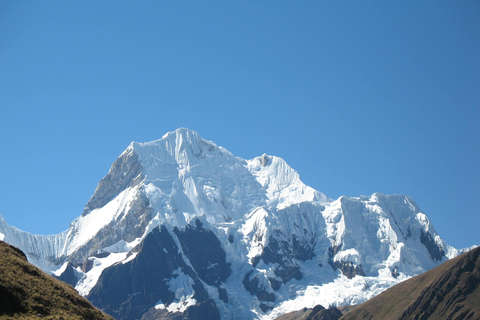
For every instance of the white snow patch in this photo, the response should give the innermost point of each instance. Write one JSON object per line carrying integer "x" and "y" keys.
{"x": 61, "y": 270}
{"x": 254, "y": 230}
{"x": 89, "y": 279}
{"x": 350, "y": 255}
{"x": 182, "y": 286}
{"x": 122, "y": 246}
{"x": 130, "y": 258}
{"x": 341, "y": 291}
{"x": 86, "y": 227}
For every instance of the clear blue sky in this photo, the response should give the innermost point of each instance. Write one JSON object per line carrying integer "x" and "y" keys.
{"x": 358, "y": 97}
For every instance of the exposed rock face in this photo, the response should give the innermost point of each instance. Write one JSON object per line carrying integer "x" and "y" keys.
{"x": 127, "y": 290}
{"x": 125, "y": 172}
{"x": 204, "y": 310}
{"x": 69, "y": 276}
{"x": 204, "y": 252}
{"x": 436, "y": 252}
{"x": 129, "y": 225}
{"x": 317, "y": 313}
{"x": 348, "y": 269}
{"x": 254, "y": 286}
{"x": 283, "y": 253}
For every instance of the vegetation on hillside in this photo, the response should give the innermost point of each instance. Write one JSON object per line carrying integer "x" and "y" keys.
{"x": 26, "y": 292}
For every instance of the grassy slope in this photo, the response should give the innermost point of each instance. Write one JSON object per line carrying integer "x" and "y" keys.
{"x": 449, "y": 291}
{"x": 26, "y": 292}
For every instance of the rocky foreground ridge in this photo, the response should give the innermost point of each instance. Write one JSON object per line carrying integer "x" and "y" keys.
{"x": 180, "y": 227}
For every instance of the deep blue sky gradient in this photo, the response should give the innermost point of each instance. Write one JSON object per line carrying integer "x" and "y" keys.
{"x": 358, "y": 97}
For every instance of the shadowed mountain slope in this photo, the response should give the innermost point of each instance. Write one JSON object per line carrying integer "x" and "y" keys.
{"x": 449, "y": 291}
{"x": 316, "y": 313}
{"x": 26, "y": 292}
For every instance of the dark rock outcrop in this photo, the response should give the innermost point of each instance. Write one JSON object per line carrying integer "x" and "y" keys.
{"x": 252, "y": 284}
{"x": 125, "y": 172}
{"x": 436, "y": 252}
{"x": 127, "y": 290}
{"x": 204, "y": 310}
{"x": 348, "y": 268}
{"x": 205, "y": 252}
{"x": 131, "y": 224}
{"x": 317, "y": 313}
{"x": 284, "y": 251}
{"x": 69, "y": 276}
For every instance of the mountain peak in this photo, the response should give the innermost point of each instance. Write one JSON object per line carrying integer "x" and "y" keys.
{"x": 182, "y": 132}
{"x": 180, "y": 136}
{"x": 180, "y": 146}
{"x": 265, "y": 224}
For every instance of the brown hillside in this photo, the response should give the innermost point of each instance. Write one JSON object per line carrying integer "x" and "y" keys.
{"x": 26, "y": 292}
{"x": 449, "y": 291}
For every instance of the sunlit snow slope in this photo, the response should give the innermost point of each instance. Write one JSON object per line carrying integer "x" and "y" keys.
{"x": 180, "y": 224}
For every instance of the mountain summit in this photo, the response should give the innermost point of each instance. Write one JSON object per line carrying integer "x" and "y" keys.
{"x": 179, "y": 227}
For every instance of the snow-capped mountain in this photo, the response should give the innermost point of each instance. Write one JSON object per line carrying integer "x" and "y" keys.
{"x": 182, "y": 225}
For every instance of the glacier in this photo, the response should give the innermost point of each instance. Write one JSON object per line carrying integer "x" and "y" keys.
{"x": 268, "y": 243}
